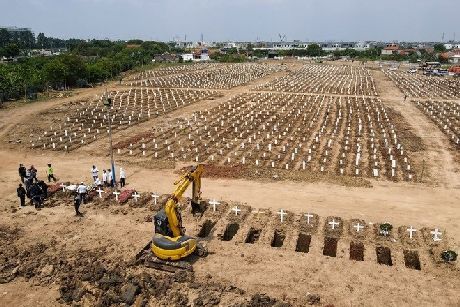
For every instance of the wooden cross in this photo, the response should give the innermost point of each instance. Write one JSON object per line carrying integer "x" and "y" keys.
{"x": 116, "y": 193}
{"x": 214, "y": 203}
{"x": 436, "y": 234}
{"x": 358, "y": 227}
{"x": 100, "y": 191}
{"x": 282, "y": 213}
{"x": 333, "y": 223}
{"x": 236, "y": 210}
{"x": 411, "y": 230}
{"x": 136, "y": 196}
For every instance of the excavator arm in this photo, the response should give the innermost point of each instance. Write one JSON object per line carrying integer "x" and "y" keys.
{"x": 170, "y": 241}
{"x": 171, "y": 208}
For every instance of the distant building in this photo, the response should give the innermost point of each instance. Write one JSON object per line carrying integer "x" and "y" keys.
{"x": 390, "y": 49}
{"x": 186, "y": 57}
{"x": 450, "y": 46}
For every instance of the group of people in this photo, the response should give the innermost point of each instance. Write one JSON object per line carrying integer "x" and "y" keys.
{"x": 36, "y": 190}
{"x": 107, "y": 181}
{"x": 107, "y": 177}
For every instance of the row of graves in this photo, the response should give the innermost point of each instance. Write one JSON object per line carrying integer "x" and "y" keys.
{"x": 222, "y": 77}
{"x": 445, "y": 114}
{"x": 172, "y": 70}
{"x": 352, "y": 136}
{"x": 419, "y": 248}
{"x": 130, "y": 107}
{"x": 420, "y": 86}
{"x": 325, "y": 79}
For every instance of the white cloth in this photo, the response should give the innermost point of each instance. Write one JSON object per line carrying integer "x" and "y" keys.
{"x": 109, "y": 176}
{"x": 122, "y": 173}
{"x": 94, "y": 172}
{"x": 82, "y": 189}
{"x": 97, "y": 182}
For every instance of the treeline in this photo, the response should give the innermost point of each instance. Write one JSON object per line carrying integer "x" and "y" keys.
{"x": 83, "y": 64}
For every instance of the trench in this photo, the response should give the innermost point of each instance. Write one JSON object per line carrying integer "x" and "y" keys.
{"x": 357, "y": 251}
{"x": 278, "y": 239}
{"x": 206, "y": 229}
{"x": 411, "y": 260}
{"x": 303, "y": 243}
{"x": 383, "y": 255}
{"x": 330, "y": 247}
{"x": 253, "y": 236}
{"x": 230, "y": 231}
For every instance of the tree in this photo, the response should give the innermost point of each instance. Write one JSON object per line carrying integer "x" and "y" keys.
{"x": 41, "y": 40}
{"x": 5, "y": 37}
{"x": 314, "y": 50}
{"x": 10, "y": 50}
{"x": 439, "y": 48}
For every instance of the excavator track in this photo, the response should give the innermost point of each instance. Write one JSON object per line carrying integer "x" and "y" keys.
{"x": 147, "y": 258}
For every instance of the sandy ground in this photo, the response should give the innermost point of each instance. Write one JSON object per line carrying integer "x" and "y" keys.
{"x": 281, "y": 273}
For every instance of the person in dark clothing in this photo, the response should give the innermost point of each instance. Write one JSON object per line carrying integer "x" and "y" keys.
{"x": 36, "y": 196}
{"x": 22, "y": 172}
{"x": 33, "y": 173}
{"x": 76, "y": 203}
{"x": 29, "y": 182}
{"x": 44, "y": 187}
{"x": 22, "y": 195}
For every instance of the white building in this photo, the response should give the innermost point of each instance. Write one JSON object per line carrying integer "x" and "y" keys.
{"x": 186, "y": 57}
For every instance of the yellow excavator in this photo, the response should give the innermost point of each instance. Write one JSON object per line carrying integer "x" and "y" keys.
{"x": 170, "y": 243}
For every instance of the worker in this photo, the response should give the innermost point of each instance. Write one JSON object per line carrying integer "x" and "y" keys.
{"x": 81, "y": 191}
{"x": 22, "y": 172}
{"x": 44, "y": 187}
{"x": 22, "y": 195}
{"x": 110, "y": 178}
{"x": 122, "y": 177}
{"x": 98, "y": 183}
{"x": 36, "y": 196}
{"x": 405, "y": 97}
{"x": 104, "y": 177}
{"x": 76, "y": 204}
{"x": 50, "y": 173}
{"x": 94, "y": 173}
{"x": 32, "y": 173}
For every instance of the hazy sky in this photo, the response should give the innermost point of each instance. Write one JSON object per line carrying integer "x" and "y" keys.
{"x": 243, "y": 20}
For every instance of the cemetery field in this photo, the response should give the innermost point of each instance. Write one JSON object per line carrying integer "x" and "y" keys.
{"x": 303, "y": 163}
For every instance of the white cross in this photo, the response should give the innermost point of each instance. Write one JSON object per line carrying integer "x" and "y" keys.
{"x": 136, "y": 196}
{"x": 155, "y": 197}
{"x": 258, "y": 212}
{"x": 333, "y": 223}
{"x": 116, "y": 193}
{"x": 436, "y": 233}
{"x": 100, "y": 191}
{"x": 358, "y": 227}
{"x": 308, "y": 216}
{"x": 63, "y": 186}
{"x": 282, "y": 214}
{"x": 236, "y": 210}
{"x": 411, "y": 231}
{"x": 214, "y": 203}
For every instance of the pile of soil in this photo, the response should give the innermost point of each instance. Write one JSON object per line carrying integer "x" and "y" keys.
{"x": 86, "y": 277}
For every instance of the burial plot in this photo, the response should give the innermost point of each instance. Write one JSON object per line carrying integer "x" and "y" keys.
{"x": 303, "y": 243}
{"x": 383, "y": 255}
{"x": 411, "y": 260}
